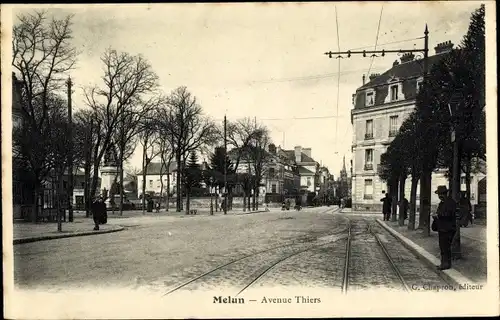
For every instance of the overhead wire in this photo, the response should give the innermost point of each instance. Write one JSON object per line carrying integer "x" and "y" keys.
{"x": 376, "y": 40}
{"x": 387, "y": 43}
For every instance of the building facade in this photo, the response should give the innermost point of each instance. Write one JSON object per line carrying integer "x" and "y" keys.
{"x": 155, "y": 174}
{"x": 380, "y": 107}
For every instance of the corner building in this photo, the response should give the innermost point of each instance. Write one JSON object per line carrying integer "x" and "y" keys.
{"x": 380, "y": 107}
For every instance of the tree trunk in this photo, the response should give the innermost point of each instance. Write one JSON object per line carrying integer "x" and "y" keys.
{"x": 86, "y": 192}
{"x": 37, "y": 193}
{"x": 121, "y": 183}
{"x": 95, "y": 178}
{"x": 257, "y": 199}
{"x": 393, "y": 191}
{"x": 58, "y": 201}
{"x": 217, "y": 200}
{"x": 253, "y": 200}
{"x": 468, "y": 176}
{"x": 244, "y": 201}
{"x": 413, "y": 202}
{"x": 178, "y": 184}
{"x": 402, "y": 183}
{"x": 144, "y": 169}
{"x": 168, "y": 190}
{"x": 187, "y": 200}
{"x": 161, "y": 184}
{"x": 425, "y": 201}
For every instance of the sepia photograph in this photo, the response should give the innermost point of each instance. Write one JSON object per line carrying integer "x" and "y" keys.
{"x": 246, "y": 160}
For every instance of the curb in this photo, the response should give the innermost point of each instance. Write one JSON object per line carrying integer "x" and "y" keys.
{"x": 61, "y": 236}
{"x": 452, "y": 276}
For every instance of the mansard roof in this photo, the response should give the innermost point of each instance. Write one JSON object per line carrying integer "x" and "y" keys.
{"x": 408, "y": 73}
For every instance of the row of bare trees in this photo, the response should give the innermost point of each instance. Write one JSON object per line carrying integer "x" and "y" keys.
{"x": 124, "y": 109}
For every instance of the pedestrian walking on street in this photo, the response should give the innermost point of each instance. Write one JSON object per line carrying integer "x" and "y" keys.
{"x": 97, "y": 212}
{"x": 465, "y": 210}
{"x": 386, "y": 206}
{"x": 405, "y": 207}
{"x": 446, "y": 225}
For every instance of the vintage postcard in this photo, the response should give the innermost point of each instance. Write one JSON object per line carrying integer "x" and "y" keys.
{"x": 248, "y": 160}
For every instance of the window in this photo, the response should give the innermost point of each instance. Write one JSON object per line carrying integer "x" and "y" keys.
{"x": 462, "y": 180}
{"x": 308, "y": 181}
{"x": 368, "y": 159}
{"x": 150, "y": 183}
{"x": 394, "y": 93}
{"x": 369, "y": 129}
{"x": 368, "y": 189}
{"x": 271, "y": 173}
{"x": 393, "y": 126}
{"x": 369, "y": 99}
{"x": 273, "y": 188}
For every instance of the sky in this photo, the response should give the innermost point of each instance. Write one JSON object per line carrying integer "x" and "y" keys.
{"x": 264, "y": 61}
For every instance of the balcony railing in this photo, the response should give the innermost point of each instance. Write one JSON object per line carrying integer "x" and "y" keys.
{"x": 368, "y": 136}
{"x": 368, "y": 197}
{"x": 393, "y": 133}
{"x": 368, "y": 166}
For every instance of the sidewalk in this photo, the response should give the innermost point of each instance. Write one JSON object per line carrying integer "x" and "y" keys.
{"x": 473, "y": 263}
{"x": 24, "y": 232}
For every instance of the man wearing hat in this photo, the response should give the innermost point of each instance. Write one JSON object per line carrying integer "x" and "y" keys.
{"x": 446, "y": 225}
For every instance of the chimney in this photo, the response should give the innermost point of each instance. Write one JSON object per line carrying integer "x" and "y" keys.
{"x": 307, "y": 152}
{"x": 363, "y": 79}
{"x": 373, "y": 76}
{"x": 407, "y": 57}
{"x": 395, "y": 63}
{"x": 444, "y": 47}
{"x": 298, "y": 154}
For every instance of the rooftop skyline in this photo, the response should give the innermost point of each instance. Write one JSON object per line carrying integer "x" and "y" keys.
{"x": 263, "y": 61}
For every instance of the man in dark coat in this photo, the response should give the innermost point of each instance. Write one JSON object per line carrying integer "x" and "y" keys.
{"x": 446, "y": 225}
{"x": 405, "y": 206}
{"x": 99, "y": 213}
{"x": 96, "y": 212}
{"x": 386, "y": 206}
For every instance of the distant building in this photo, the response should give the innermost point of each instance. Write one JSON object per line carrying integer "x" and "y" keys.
{"x": 380, "y": 107}
{"x": 156, "y": 173}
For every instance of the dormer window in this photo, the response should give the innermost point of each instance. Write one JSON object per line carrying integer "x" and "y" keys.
{"x": 370, "y": 98}
{"x": 394, "y": 92}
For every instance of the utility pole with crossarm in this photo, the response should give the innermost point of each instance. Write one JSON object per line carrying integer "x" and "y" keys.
{"x": 374, "y": 53}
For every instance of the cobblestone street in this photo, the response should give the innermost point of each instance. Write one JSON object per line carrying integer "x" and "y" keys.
{"x": 237, "y": 252}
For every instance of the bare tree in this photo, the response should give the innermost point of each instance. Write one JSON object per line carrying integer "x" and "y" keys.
{"x": 87, "y": 138}
{"x": 166, "y": 155}
{"x": 259, "y": 158}
{"x": 42, "y": 55}
{"x": 133, "y": 119}
{"x": 127, "y": 80}
{"x": 187, "y": 128}
{"x": 239, "y": 136}
{"x": 148, "y": 139}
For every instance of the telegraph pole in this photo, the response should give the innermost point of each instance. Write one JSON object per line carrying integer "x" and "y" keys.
{"x": 374, "y": 53}
{"x": 225, "y": 165}
{"x": 69, "y": 83}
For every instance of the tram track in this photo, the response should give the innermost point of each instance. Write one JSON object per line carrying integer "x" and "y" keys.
{"x": 402, "y": 263}
{"x": 297, "y": 247}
